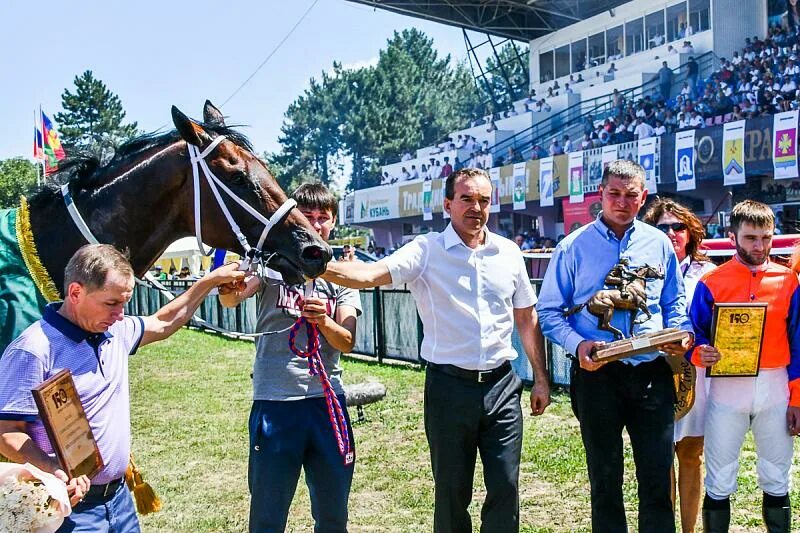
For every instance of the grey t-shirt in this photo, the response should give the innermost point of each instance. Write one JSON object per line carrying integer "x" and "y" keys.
{"x": 278, "y": 374}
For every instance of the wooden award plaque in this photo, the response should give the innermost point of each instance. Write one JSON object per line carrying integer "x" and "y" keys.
{"x": 67, "y": 426}
{"x": 648, "y": 342}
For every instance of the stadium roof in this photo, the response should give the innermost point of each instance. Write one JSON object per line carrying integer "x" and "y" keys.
{"x": 515, "y": 19}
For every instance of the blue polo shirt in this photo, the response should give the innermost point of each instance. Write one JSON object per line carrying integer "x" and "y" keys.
{"x": 99, "y": 366}
{"x": 578, "y": 269}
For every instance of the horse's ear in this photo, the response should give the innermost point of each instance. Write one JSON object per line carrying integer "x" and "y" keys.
{"x": 212, "y": 115}
{"x": 191, "y": 131}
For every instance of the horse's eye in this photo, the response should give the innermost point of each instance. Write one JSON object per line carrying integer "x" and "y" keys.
{"x": 239, "y": 176}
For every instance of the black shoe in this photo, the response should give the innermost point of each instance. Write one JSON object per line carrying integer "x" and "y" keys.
{"x": 716, "y": 520}
{"x": 778, "y": 519}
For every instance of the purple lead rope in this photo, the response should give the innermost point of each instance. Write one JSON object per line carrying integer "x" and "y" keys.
{"x": 316, "y": 368}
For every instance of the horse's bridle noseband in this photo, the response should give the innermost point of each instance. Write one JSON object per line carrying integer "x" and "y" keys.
{"x": 253, "y": 255}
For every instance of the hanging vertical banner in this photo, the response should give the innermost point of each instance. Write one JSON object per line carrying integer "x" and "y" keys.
{"x": 494, "y": 174}
{"x": 609, "y": 155}
{"x": 546, "y": 182}
{"x": 575, "y": 173}
{"x": 784, "y": 142}
{"x": 427, "y": 198}
{"x": 646, "y": 149}
{"x": 733, "y": 153}
{"x": 445, "y": 214}
{"x": 684, "y": 160}
{"x": 520, "y": 185}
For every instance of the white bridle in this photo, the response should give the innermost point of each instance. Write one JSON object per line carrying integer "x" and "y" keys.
{"x": 197, "y": 159}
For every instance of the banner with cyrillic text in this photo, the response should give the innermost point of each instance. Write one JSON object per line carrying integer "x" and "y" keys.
{"x": 609, "y": 154}
{"x": 427, "y": 200}
{"x": 376, "y": 203}
{"x": 494, "y": 175}
{"x": 520, "y": 185}
{"x": 684, "y": 160}
{"x": 575, "y": 173}
{"x": 784, "y": 145}
{"x": 546, "y": 182}
{"x": 646, "y": 150}
{"x": 733, "y": 153}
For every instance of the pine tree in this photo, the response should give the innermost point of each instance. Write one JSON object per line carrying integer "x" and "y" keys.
{"x": 92, "y": 120}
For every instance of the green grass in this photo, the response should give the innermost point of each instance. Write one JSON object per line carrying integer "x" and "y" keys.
{"x": 191, "y": 399}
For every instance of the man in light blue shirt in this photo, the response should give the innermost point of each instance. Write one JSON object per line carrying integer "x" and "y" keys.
{"x": 635, "y": 393}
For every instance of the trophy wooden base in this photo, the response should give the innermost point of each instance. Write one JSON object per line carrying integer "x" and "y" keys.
{"x": 649, "y": 342}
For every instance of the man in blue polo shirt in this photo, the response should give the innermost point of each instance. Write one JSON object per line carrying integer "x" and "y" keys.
{"x": 89, "y": 334}
{"x": 635, "y": 393}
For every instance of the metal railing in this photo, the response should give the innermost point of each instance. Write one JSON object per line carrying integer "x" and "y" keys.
{"x": 388, "y": 329}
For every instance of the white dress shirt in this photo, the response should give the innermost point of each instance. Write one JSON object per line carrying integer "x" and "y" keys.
{"x": 465, "y": 297}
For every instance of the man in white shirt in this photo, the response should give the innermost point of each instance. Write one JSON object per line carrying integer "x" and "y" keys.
{"x": 471, "y": 287}
{"x": 696, "y": 121}
{"x": 643, "y": 130}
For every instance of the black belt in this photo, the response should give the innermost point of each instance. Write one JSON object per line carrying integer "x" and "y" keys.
{"x": 477, "y": 376}
{"x": 103, "y": 492}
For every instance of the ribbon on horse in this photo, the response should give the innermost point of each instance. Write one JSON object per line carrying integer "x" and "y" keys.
{"x": 316, "y": 368}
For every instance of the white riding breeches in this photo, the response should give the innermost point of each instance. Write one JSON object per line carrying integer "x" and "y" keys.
{"x": 736, "y": 405}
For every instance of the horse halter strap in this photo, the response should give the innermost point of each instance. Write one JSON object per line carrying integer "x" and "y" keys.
{"x": 198, "y": 161}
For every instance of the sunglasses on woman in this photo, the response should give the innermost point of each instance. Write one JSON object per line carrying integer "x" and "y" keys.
{"x": 675, "y": 226}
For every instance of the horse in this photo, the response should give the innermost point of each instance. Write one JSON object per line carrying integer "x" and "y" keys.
{"x": 142, "y": 200}
{"x": 630, "y": 296}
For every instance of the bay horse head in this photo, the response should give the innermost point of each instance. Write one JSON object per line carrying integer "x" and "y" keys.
{"x": 143, "y": 199}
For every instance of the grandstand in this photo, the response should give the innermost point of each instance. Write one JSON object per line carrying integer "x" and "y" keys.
{"x": 646, "y": 80}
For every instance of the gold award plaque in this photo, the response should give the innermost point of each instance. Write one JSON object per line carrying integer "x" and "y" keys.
{"x": 737, "y": 331}
{"x": 67, "y": 427}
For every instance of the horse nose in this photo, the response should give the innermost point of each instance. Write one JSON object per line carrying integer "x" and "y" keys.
{"x": 316, "y": 257}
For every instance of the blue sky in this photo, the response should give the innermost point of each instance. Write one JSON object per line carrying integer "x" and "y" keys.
{"x": 156, "y": 54}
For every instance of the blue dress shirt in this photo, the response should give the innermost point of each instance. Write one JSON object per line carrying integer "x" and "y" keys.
{"x": 578, "y": 269}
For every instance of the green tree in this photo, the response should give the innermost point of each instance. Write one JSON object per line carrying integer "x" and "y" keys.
{"x": 17, "y": 178}
{"x": 93, "y": 117}
{"x": 508, "y": 75}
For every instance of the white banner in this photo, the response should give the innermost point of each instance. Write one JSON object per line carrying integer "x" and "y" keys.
{"x": 546, "y": 182}
{"x": 646, "y": 148}
{"x": 445, "y": 214}
{"x": 733, "y": 153}
{"x": 784, "y": 145}
{"x": 376, "y": 203}
{"x": 609, "y": 154}
{"x": 520, "y": 185}
{"x": 684, "y": 160}
{"x": 427, "y": 201}
{"x": 575, "y": 173}
{"x": 494, "y": 174}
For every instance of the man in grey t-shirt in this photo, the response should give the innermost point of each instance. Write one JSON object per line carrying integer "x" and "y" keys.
{"x": 291, "y": 419}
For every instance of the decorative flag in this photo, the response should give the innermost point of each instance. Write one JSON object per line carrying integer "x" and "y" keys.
{"x": 575, "y": 173}
{"x": 784, "y": 143}
{"x": 520, "y": 185}
{"x": 445, "y": 214}
{"x": 609, "y": 154}
{"x": 546, "y": 182}
{"x": 52, "y": 145}
{"x": 733, "y": 153}
{"x": 646, "y": 150}
{"x": 494, "y": 174}
{"x": 38, "y": 152}
{"x": 684, "y": 160}
{"x": 427, "y": 200}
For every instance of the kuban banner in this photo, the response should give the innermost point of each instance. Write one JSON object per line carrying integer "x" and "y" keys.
{"x": 575, "y": 173}
{"x": 733, "y": 153}
{"x": 520, "y": 178}
{"x": 427, "y": 200}
{"x": 784, "y": 142}
{"x": 685, "y": 160}
{"x": 546, "y": 182}
{"x": 646, "y": 149}
{"x": 610, "y": 154}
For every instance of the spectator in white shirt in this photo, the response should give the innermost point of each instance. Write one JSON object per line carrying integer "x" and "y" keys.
{"x": 643, "y": 130}
{"x": 683, "y": 120}
{"x": 586, "y": 143}
{"x": 555, "y": 148}
{"x": 414, "y": 172}
{"x": 696, "y": 121}
{"x": 567, "y": 144}
{"x": 406, "y": 156}
{"x": 567, "y": 89}
{"x": 405, "y": 174}
{"x": 660, "y": 129}
{"x": 687, "y": 48}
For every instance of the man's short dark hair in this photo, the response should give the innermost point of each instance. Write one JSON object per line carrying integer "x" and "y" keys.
{"x": 624, "y": 169}
{"x": 450, "y": 183}
{"x": 754, "y": 213}
{"x": 90, "y": 265}
{"x": 315, "y": 196}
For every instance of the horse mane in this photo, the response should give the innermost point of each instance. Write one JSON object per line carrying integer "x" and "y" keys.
{"x": 85, "y": 172}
